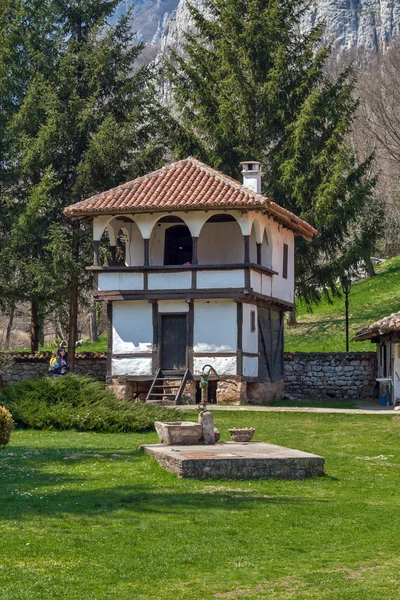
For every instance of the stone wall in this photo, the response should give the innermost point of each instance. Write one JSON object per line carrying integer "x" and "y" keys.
{"x": 338, "y": 375}
{"x": 26, "y": 366}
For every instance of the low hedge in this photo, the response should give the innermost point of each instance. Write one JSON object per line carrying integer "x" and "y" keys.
{"x": 80, "y": 403}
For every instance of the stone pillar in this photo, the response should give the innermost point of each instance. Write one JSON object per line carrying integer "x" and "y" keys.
{"x": 206, "y": 420}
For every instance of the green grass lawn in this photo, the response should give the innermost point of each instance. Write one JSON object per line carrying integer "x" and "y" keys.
{"x": 117, "y": 526}
{"x": 99, "y": 346}
{"x": 323, "y": 330}
{"x": 309, "y": 403}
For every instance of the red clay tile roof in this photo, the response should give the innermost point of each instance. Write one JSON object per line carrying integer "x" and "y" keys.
{"x": 185, "y": 185}
{"x": 385, "y": 325}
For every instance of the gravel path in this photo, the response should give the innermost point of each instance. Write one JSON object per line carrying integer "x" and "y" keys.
{"x": 366, "y": 409}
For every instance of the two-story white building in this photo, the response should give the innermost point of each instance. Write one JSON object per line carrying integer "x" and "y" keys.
{"x": 207, "y": 272}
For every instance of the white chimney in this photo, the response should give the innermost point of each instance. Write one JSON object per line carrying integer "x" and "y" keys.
{"x": 252, "y": 175}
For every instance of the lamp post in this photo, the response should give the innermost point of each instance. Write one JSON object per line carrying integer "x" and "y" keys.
{"x": 346, "y": 287}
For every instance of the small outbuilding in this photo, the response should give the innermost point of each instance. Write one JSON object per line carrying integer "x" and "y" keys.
{"x": 385, "y": 333}
{"x": 200, "y": 271}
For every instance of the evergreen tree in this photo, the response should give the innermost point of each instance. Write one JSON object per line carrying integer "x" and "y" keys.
{"x": 88, "y": 122}
{"x": 250, "y": 86}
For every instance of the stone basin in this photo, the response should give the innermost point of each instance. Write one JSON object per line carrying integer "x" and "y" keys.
{"x": 179, "y": 433}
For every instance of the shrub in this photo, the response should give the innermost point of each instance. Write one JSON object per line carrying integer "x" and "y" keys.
{"x": 80, "y": 403}
{"x": 6, "y": 426}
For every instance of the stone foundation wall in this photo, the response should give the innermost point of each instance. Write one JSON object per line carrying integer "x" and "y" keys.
{"x": 263, "y": 392}
{"x": 336, "y": 375}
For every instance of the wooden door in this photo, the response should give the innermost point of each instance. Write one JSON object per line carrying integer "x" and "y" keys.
{"x": 270, "y": 328}
{"x": 173, "y": 342}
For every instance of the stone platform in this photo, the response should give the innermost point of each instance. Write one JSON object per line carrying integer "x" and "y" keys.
{"x": 233, "y": 460}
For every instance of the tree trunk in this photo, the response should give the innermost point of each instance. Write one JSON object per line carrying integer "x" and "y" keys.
{"x": 34, "y": 324}
{"x": 59, "y": 333}
{"x": 9, "y": 326}
{"x": 368, "y": 264}
{"x": 93, "y": 321}
{"x": 41, "y": 325}
{"x": 74, "y": 298}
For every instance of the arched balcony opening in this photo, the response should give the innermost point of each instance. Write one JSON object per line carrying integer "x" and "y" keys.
{"x": 178, "y": 246}
{"x": 266, "y": 250}
{"x": 220, "y": 241}
{"x": 171, "y": 242}
{"x": 121, "y": 247}
{"x": 122, "y": 243}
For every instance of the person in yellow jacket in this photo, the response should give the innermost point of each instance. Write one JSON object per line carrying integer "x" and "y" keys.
{"x": 58, "y": 363}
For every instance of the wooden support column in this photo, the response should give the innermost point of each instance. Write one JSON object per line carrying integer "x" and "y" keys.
{"x": 146, "y": 252}
{"x": 194, "y": 250}
{"x": 96, "y": 245}
{"x": 113, "y": 251}
{"x": 109, "y": 334}
{"x": 239, "y": 368}
{"x": 190, "y": 334}
{"x": 156, "y": 337}
{"x": 259, "y": 246}
{"x": 246, "y": 240}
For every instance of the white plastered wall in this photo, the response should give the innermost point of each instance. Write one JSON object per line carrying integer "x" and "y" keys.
{"x": 220, "y": 243}
{"x": 132, "y": 327}
{"x": 157, "y": 242}
{"x": 254, "y": 240}
{"x": 224, "y": 365}
{"x": 215, "y": 326}
{"x": 266, "y": 248}
{"x": 250, "y": 338}
{"x": 134, "y": 255}
{"x": 283, "y": 288}
{"x": 132, "y": 366}
{"x": 173, "y": 306}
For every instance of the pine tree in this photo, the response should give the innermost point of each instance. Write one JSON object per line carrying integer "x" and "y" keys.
{"x": 88, "y": 122}
{"x": 250, "y": 86}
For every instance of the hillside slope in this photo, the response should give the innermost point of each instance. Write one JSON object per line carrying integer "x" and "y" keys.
{"x": 324, "y": 329}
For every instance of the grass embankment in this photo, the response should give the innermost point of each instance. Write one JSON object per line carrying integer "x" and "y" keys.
{"x": 111, "y": 524}
{"x": 323, "y": 330}
{"x": 99, "y": 346}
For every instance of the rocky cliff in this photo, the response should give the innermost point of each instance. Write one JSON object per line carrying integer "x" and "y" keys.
{"x": 150, "y": 17}
{"x": 369, "y": 24}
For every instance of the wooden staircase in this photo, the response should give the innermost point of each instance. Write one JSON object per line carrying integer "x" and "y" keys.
{"x": 167, "y": 388}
